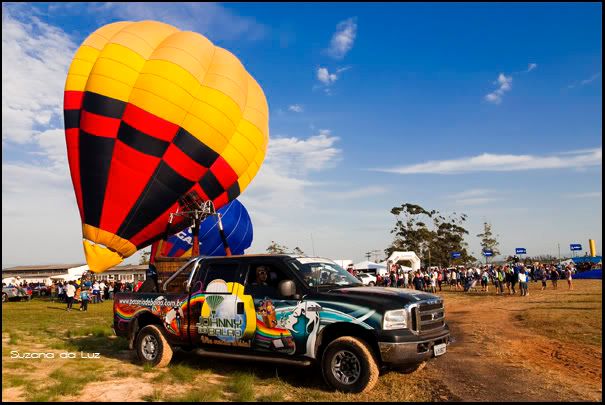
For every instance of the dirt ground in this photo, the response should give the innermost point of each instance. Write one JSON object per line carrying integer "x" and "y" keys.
{"x": 497, "y": 357}
{"x": 544, "y": 347}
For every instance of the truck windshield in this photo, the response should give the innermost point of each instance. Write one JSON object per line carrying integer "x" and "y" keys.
{"x": 323, "y": 273}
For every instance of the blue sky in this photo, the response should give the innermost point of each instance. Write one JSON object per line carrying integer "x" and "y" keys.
{"x": 493, "y": 110}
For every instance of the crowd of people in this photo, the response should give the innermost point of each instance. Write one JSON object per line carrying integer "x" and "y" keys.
{"x": 506, "y": 279}
{"x": 88, "y": 290}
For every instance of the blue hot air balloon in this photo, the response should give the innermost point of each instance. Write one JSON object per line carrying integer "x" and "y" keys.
{"x": 237, "y": 228}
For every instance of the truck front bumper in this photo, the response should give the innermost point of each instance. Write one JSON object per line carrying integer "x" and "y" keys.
{"x": 411, "y": 352}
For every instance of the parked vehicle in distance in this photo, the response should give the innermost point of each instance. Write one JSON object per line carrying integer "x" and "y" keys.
{"x": 15, "y": 294}
{"x": 367, "y": 279}
{"x": 40, "y": 289}
{"x": 285, "y": 309}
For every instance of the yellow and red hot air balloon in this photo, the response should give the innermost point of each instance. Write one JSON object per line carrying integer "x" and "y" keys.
{"x": 152, "y": 113}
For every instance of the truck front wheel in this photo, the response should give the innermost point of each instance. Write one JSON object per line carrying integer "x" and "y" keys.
{"x": 152, "y": 347}
{"x": 348, "y": 365}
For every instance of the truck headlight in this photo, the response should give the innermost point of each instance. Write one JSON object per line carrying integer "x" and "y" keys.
{"x": 396, "y": 319}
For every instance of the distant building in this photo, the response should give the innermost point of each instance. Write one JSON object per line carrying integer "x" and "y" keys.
{"x": 42, "y": 273}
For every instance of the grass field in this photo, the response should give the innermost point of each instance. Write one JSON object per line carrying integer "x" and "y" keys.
{"x": 41, "y": 326}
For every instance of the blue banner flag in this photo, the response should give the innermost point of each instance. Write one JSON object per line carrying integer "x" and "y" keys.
{"x": 575, "y": 246}
{"x": 520, "y": 251}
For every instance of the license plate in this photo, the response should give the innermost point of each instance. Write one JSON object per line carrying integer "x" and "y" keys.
{"x": 440, "y": 349}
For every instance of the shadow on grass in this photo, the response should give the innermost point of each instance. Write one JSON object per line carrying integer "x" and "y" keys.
{"x": 295, "y": 376}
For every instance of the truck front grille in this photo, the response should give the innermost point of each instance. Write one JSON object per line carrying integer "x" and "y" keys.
{"x": 427, "y": 317}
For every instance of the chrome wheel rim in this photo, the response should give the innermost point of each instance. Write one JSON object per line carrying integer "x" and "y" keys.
{"x": 150, "y": 347}
{"x": 346, "y": 367}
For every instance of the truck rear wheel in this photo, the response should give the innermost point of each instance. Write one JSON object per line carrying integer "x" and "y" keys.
{"x": 152, "y": 347}
{"x": 348, "y": 365}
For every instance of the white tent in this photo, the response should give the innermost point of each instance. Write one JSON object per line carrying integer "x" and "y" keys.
{"x": 344, "y": 263}
{"x": 374, "y": 267}
{"x": 72, "y": 274}
{"x": 397, "y": 257}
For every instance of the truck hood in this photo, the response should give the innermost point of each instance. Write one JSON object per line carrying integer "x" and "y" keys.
{"x": 380, "y": 297}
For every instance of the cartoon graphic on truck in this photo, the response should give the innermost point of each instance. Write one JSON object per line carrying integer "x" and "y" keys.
{"x": 310, "y": 311}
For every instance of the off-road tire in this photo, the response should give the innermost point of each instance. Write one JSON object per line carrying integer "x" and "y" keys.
{"x": 164, "y": 351}
{"x": 369, "y": 372}
{"x": 371, "y": 284}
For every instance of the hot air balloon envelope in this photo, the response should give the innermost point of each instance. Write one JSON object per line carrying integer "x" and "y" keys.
{"x": 152, "y": 113}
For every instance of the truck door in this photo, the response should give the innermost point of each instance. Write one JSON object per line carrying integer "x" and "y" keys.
{"x": 214, "y": 318}
{"x": 281, "y": 323}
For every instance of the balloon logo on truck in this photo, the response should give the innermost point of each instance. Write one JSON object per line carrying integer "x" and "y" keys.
{"x": 152, "y": 113}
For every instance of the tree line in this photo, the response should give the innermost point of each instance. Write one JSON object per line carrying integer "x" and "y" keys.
{"x": 432, "y": 235}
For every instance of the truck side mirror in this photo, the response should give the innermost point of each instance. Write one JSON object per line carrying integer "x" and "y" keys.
{"x": 287, "y": 288}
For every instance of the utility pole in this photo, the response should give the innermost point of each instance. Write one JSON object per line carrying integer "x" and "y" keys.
{"x": 559, "y": 247}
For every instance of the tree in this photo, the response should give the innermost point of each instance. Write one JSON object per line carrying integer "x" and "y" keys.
{"x": 431, "y": 235}
{"x": 144, "y": 259}
{"x": 275, "y": 248}
{"x": 488, "y": 241}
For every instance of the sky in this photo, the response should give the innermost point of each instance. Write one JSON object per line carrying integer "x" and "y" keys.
{"x": 492, "y": 110}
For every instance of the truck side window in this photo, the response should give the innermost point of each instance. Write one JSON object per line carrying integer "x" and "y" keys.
{"x": 263, "y": 280}
{"x": 228, "y": 272}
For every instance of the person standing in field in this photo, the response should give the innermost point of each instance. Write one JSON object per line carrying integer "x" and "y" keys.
{"x": 554, "y": 277}
{"x": 84, "y": 297}
{"x": 501, "y": 276}
{"x": 544, "y": 276}
{"x": 568, "y": 277}
{"x": 70, "y": 292}
{"x": 522, "y": 282}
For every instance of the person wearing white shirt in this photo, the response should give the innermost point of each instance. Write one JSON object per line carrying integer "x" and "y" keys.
{"x": 70, "y": 292}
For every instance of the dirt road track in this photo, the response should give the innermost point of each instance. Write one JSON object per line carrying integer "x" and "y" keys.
{"x": 495, "y": 358}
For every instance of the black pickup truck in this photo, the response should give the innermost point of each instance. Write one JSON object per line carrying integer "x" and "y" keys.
{"x": 286, "y": 309}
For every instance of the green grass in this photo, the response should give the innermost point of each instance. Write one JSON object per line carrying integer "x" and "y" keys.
{"x": 178, "y": 373}
{"x": 65, "y": 382}
{"x": 155, "y": 396}
{"x": 14, "y": 380}
{"x": 206, "y": 394}
{"x": 242, "y": 384}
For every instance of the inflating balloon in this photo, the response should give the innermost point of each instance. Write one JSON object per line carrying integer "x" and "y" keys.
{"x": 152, "y": 113}
{"x": 237, "y": 228}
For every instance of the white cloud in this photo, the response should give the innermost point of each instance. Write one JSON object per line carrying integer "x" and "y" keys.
{"x": 505, "y": 84}
{"x": 297, "y": 108}
{"x": 595, "y": 194}
{"x": 502, "y": 163}
{"x": 324, "y": 76}
{"x": 343, "y": 39}
{"x": 213, "y": 20}
{"x": 35, "y": 60}
{"x": 585, "y": 81}
{"x": 474, "y": 197}
{"x": 531, "y": 67}
{"x": 286, "y": 173}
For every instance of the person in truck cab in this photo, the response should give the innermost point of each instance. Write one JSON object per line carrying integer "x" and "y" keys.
{"x": 262, "y": 275}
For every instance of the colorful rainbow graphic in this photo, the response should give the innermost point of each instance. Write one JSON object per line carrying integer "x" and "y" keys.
{"x": 127, "y": 316}
{"x": 265, "y": 333}
{"x": 195, "y": 298}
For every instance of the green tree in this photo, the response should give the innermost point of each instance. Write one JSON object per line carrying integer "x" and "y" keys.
{"x": 488, "y": 240}
{"x": 430, "y": 234}
{"x": 276, "y": 248}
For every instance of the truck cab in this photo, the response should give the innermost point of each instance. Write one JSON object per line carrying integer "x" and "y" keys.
{"x": 287, "y": 309}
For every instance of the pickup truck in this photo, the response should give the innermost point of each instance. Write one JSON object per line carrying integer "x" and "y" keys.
{"x": 285, "y": 309}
